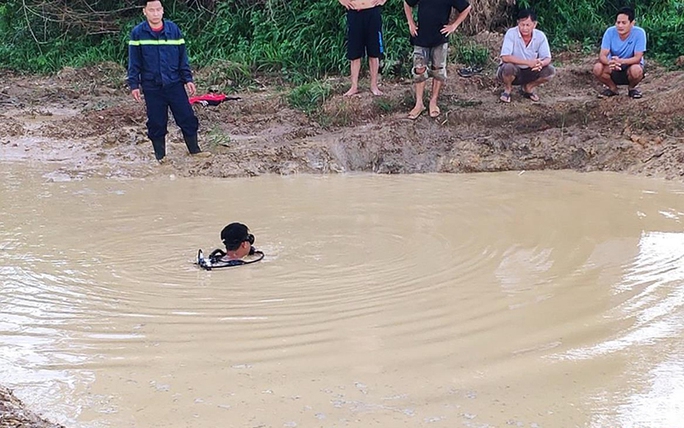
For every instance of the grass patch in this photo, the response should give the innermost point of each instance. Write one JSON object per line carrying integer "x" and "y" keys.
{"x": 471, "y": 54}
{"x": 467, "y": 103}
{"x": 216, "y": 137}
{"x": 309, "y": 97}
{"x": 226, "y": 76}
{"x": 386, "y": 105}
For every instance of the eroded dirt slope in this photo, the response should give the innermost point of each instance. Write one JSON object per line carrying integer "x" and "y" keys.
{"x": 84, "y": 123}
{"x": 13, "y": 413}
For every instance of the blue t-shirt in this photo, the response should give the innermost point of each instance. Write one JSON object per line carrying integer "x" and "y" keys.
{"x": 635, "y": 42}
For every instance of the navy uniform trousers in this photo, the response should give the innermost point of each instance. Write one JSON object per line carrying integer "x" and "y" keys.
{"x": 158, "y": 102}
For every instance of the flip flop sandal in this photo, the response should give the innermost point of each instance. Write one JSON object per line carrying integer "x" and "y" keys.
{"x": 529, "y": 95}
{"x": 607, "y": 93}
{"x": 634, "y": 93}
{"x": 435, "y": 112}
{"x": 505, "y": 97}
{"x": 414, "y": 116}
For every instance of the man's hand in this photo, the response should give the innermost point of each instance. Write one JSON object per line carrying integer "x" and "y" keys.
{"x": 413, "y": 28}
{"x": 537, "y": 65}
{"x": 379, "y": 2}
{"x": 136, "y": 95}
{"x": 447, "y": 30}
{"x": 615, "y": 64}
{"x": 190, "y": 87}
{"x": 347, "y": 4}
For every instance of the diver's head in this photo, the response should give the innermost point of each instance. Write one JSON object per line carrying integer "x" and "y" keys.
{"x": 236, "y": 238}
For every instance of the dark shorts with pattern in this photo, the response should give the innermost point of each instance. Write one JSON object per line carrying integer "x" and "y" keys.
{"x": 364, "y": 33}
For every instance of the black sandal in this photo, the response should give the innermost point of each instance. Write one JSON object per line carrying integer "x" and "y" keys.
{"x": 529, "y": 95}
{"x": 607, "y": 93}
{"x": 634, "y": 93}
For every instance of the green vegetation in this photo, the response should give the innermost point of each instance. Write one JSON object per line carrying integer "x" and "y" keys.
{"x": 227, "y": 74}
{"x": 309, "y": 97}
{"x": 297, "y": 40}
{"x": 385, "y": 105}
{"x": 570, "y": 22}
{"x": 469, "y": 53}
{"x": 217, "y": 137}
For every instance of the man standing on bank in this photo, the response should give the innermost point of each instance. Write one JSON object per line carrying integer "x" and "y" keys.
{"x": 621, "y": 60}
{"x": 158, "y": 65}
{"x": 430, "y": 40}
{"x": 525, "y": 58}
{"x": 364, "y": 38}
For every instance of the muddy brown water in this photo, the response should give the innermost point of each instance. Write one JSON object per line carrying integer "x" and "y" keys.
{"x": 484, "y": 300}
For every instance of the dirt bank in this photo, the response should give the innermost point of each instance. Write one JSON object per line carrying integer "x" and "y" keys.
{"x": 13, "y": 414}
{"x": 83, "y": 123}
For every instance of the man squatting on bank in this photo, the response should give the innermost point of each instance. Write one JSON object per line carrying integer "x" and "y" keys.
{"x": 158, "y": 64}
{"x": 621, "y": 59}
{"x": 525, "y": 58}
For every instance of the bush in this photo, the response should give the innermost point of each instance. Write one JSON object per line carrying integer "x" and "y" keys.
{"x": 298, "y": 39}
{"x": 665, "y": 29}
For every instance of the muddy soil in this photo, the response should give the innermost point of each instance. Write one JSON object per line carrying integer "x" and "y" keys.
{"x": 13, "y": 413}
{"x": 82, "y": 123}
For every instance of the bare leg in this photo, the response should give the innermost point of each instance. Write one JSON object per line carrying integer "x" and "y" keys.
{"x": 506, "y": 74}
{"x": 436, "y": 86}
{"x": 635, "y": 74}
{"x": 374, "y": 66}
{"x": 602, "y": 74}
{"x": 420, "y": 90}
{"x": 508, "y": 83}
{"x": 355, "y": 70}
{"x": 530, "y": 86}
{"x": 419, "y": 107}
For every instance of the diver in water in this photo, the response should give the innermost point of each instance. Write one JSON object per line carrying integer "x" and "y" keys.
{"x": 238, "y": 242}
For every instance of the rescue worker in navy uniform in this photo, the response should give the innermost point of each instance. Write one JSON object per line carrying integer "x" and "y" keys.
{"x": 158, "y": 65}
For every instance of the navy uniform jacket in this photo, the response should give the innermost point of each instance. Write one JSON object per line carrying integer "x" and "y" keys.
{"x": 157, "y": 60}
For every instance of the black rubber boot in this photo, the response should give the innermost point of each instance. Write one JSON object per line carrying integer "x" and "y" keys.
{"x": 159, "y": 145}
{"x": 191, "y": 142}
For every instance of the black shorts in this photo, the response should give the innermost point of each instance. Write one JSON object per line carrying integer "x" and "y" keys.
{"x": 364, "y": 33}
{"x": 620, "y": 77}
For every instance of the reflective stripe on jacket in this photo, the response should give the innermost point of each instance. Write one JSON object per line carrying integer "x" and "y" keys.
{"x": 157, "y": 59}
